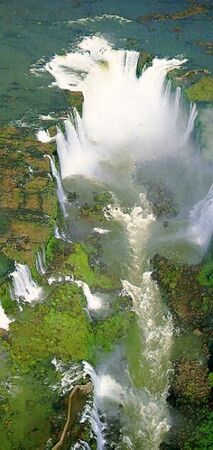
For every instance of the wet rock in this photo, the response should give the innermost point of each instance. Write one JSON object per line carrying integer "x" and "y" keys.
{"x": 144, "y": 59}
{"x": 160, "y": 17}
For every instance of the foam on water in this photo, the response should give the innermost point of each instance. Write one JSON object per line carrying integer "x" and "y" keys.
{"x": 104, "y": 17}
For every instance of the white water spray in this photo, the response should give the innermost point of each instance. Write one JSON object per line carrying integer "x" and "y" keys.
{"x": 148, "y": 404}
{"x": 201, "y": 221}
{"x": 130, "y": 120}
{"x": 94, "y": 302}
{"x": 60, "y": 191}
{"x": 4, "y": 319}
{"x": 112, "y": 92}
{"x": 105, "y": 388}
{"x": 23, "y": 286}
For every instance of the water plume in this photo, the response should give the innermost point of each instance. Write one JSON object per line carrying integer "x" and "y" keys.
{"x": 122, "y": 114}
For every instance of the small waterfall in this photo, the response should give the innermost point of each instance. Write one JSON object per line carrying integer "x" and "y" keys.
{"x": 105, "y": 388}
{"x": 190, "y": 125}
{"x": 60, "y": 191}
{"x": 4, "y": 320}
{"x": 41, "y": 261}
{"x": 94, "y": 302}
{"x": 201, "y": 221}
{"x": 23, "y": 286}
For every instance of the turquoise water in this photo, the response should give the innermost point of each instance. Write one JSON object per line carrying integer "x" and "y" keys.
{"x": 36, "y": 29}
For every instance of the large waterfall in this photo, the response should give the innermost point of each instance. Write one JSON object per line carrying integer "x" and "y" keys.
{"x": 121, "y": 113}
{"x": 127, "y": 121}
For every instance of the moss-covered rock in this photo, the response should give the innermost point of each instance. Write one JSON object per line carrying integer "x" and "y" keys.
{"x": 189, "y": 300}
{"x": 59, "y": 327}
{"x": 190, "y": 385}
{"x": 144, "y": 59}
{"x": 79, "y": 265}
{"x": 202, "y": 91}
{"x": 111, "y": 330}
{"x": 94, "y": 211}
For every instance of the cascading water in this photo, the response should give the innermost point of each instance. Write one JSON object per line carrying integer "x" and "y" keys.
{"x": 41, "y": 261}
{"x": 151, "y": 419}
{"x": 4, "y": 320}
{"x": 23, "y": 286}
{"x": 112, "y": 92}
{"x": 201, "y": 221}
{"x": 60, "y": 191}
{"x": 105, "y": 387}
{"x": 125, "y": 121}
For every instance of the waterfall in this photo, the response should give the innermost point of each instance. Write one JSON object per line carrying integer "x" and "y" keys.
{"x": 105, "y": 387}
{"x": 23, "y": 286}
{"x": 155, "y": 127}
{"x": 201, "y": 221}
{"x": 60, "y": 191}
{"x": 4, "y": 320}
{"x": 94, "y": 302}
{"x": 126, "y": 121}
{"x": 41, "y": 261}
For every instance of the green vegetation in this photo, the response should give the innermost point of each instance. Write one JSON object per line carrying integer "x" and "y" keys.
{"x": 205, "y": 276}
{"x": 59, "y": 327}
{"x": 202, "y": 91}
{"x": 94, "y": 212}
{"x": 112, "y": 330}
{"x": 27, "y": 407}
{"x": 202, "y": 438}
{"x": 10, "y": 306}
{"x": 79, "y": 262}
